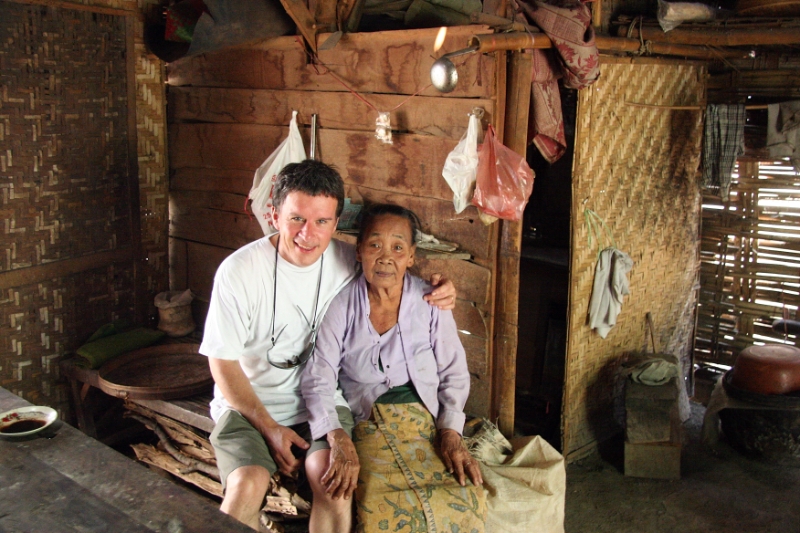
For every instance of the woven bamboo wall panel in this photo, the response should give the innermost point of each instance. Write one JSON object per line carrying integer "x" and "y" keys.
{"x": 65, "y": 161}
{"x": 67, "y": 90}
{"x": 153, "y": 183}
{"x": 39, "y": 322}
{"x": 637, "y": 168}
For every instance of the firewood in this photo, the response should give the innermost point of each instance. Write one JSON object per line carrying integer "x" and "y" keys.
{"x": 192, "y": 464}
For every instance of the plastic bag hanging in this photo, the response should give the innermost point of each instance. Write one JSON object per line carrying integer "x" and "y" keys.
{"x": 504, "y": 181}
{"x": 291, "y": 150}
{"x": 461, "y": 166}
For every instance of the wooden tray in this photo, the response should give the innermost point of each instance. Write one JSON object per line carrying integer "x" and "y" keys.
{"x": 162, "y": 372}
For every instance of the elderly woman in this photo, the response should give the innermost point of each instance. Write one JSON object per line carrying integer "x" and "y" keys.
{"x": 404, "y": 374}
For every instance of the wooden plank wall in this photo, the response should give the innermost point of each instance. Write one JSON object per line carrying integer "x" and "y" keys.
{"x": 229, "y": 110}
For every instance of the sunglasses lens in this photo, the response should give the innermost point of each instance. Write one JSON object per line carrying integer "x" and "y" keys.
{"x": 299, "y": 359}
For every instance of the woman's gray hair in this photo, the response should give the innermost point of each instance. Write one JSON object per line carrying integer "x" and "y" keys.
{"x": 372, "y": 211}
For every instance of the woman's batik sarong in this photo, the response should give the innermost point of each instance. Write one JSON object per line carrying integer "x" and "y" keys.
{"x": 403, "y": 485}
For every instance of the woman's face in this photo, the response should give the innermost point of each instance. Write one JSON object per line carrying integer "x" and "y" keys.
{"x": 386, "y": 251}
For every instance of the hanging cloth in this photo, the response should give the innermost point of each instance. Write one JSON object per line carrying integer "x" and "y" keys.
{"x": 574, "y": 58}
{"x": 783, "y": 131}
{"x": 723, "y": 142}
{"x": 610, "y": 285}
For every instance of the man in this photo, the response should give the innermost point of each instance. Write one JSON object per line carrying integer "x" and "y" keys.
{"x": 268, "y": 299}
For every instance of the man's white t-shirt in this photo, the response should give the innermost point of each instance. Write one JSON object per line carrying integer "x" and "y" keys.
{"x": 239, "y": 321}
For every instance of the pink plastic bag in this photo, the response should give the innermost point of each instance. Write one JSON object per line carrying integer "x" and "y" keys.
{"x": 504, "y": 182}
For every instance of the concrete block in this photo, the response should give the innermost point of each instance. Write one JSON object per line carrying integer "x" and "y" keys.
{"x": 654, "y": 461}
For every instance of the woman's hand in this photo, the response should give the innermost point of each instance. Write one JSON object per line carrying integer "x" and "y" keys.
{"x": 444, "y": 295}
{"x": 457, "y": 459}
{"x": 342, "y": 475}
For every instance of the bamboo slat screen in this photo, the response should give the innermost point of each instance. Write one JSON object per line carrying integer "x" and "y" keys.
{"x": 750, "y": 261}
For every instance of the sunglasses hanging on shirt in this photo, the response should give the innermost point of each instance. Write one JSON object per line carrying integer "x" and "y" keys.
{"x": 302, "y": 357}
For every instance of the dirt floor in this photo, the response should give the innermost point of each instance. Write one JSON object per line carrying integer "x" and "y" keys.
{"x": 726, "y": 492}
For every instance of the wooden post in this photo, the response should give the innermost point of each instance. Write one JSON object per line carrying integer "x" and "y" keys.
{"x": 515, "y": 131}
{"x": 134, "y": 213}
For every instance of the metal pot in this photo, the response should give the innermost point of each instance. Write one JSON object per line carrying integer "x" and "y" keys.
{"x": 769, "y": 369}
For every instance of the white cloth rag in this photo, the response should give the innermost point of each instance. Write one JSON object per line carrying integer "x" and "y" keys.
{"x": 610, "y": 285}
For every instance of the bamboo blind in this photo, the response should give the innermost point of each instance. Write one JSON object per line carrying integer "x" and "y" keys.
{"x": 750, "y": 261}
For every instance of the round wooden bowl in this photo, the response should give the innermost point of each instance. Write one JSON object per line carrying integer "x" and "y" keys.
{"x": 769, "y": 369}
{"x": 161, "y": 372}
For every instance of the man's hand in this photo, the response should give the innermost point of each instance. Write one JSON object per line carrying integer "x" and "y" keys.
{"x": 444, "y": 295}
{"x": 341, "y": 478}
{"x": 280, "y": 440}
{"x": 457, "y": 459}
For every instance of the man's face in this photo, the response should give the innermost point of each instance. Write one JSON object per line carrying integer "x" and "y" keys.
{"x": 305, "y": 224}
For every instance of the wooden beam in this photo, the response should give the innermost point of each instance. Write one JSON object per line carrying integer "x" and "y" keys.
{"x": 67, "y": 267}
{"x": 81, "y": 7}
{"x": 301, "y": 16}
{"x": 134, "y": 211}
{"x": 518, "y": 99}
{"x": 716, "y": 37}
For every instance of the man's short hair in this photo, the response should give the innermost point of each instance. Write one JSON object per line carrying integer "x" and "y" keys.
{"x": 311, "y": 177}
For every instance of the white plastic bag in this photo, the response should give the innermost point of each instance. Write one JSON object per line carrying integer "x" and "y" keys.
{"x": 291, "y": 150}
{"x": 461, "y": 165}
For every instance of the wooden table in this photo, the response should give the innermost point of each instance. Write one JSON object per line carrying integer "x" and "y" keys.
{"x": 71, "y": 482}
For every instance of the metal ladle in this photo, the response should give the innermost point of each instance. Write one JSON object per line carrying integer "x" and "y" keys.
{"x": 444, "y": 75}
{"x": 443, "y": 72}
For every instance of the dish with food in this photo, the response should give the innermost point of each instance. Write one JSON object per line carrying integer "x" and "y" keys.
{"x": 24, "y": 421}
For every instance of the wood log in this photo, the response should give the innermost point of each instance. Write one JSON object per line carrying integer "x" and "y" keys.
{"x": 184, "y": 437}
{"x": 150, "y": 455}
{"x": 716, "y": 37}
{"x": 343, "y": 111}
{"x": 298, "y": 10}
{"x": 507, "y": 274}
{"x": 190, "y": 464}
{"x": 396, "y": 62}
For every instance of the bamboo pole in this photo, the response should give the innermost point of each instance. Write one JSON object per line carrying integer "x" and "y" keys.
{"x": 715, "y": 36}
{"x": 684, "y": 107}
{"x": 524, "y": 41}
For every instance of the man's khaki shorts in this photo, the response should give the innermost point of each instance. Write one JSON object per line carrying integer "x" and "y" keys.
{"x": 237, "y": 443}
